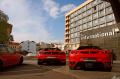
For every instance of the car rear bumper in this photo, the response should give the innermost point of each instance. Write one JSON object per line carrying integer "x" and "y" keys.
{"x": 52, "y": 60}
{"x": 106, "y": 65}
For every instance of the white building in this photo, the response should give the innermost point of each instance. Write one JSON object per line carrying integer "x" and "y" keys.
{"x": 29, "y": 46}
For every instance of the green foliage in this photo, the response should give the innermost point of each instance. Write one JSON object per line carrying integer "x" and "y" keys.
{"x": 4, "y": 37}
{"x": 11, "y": 38}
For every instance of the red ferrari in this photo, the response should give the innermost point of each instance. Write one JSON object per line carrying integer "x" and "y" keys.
{"x": 90, "y": 57}
{"x": 51, "y": 55}
{"x": 9, "y": 57}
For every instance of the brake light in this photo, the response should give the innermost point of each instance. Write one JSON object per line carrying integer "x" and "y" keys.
{"x": 62, "y": 53}
{"x": 74, "y": 52}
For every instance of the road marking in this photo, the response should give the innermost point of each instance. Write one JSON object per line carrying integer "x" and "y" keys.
{"x": 67, "y": 73}
{"x": 22, "y": 70}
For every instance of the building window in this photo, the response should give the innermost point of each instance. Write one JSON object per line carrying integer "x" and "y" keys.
{"x": 84, "y": 20}
{"x": 108, "y": 10}
{"x": 77, "y": 28}
{"x": 80, "y": 22}
{"x": 89, "y": 12}
{"x": 101, "y": 6}
{"x": 80, "y": 27}
{"x": 101, "y": 20}
{"x": 94, "y": 8}
{"x": 84, "y": 14}
{"x": 95, "y": 15}
{"x": 84, "y": 26}
{"x": 84, "y": 8}
{"x": 101, "y": 13}
{"x": 79, "y": 11}
{"x": 110, "y": 17}
{"x": 76, "y": 34}
{"x": 95, "y": 22}
{"x": 107, "y": 4}
{"x": 89, "y": 6}
{"x": 80, "y": 16}
{"x": 89, "y": 24}
{"x": 94, "y": 2}
{"x": 89, "y": 18}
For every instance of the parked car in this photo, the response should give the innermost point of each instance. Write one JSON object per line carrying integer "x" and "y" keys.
{"x": 9, "y": 57}
{"x": 51, "y": 55}
{"x": 86, "y": 57}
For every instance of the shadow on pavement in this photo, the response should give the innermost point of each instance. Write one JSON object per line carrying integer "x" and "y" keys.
{"x": 28, "y": 69}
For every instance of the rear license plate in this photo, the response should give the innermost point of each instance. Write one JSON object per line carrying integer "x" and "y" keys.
{"x": 89, "y": 64}
{"x": 90, "y": 60}
{"x": 51, "y": 57}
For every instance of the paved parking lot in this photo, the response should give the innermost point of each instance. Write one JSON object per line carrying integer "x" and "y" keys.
{"x": 31, "y": 70}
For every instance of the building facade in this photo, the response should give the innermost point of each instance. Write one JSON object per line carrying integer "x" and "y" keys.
{"x": 29, "y": 46}
{"x": 92, "y": 23}
{"x": 92, "y": 14}
{"x": 14, "y": 45}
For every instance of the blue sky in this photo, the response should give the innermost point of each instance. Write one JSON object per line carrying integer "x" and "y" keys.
{"x": 38, "y": 20}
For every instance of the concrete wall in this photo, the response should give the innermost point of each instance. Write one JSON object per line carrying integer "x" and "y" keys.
{"x": 111, "y": 42}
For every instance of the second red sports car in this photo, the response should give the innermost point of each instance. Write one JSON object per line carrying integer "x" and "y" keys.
{"x": 9, "y": 57}
{"x": 51, "y": 55}
{"x": 90, "y": 57}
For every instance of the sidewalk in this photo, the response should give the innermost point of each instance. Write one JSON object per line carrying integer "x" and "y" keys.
{"x": 116, "y": 62}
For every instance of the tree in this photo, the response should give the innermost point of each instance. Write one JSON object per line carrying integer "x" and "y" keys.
{"x": 11, "y": 38}
{"x": 4, "y": 36}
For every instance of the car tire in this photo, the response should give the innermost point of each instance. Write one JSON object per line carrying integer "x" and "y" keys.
{"x": 108, "y": 69}
{"x": 63, "y": 63}
{"x": 39, "y": 62}
{"x": 71, "y": 68}
{"x": 21, "y": 61}
{"x": 1, "y": 66}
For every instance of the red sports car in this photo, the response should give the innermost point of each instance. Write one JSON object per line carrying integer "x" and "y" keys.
{"x": 51, "y": 55}
{"x": 90, "y": 57}
{"x": 9, "y": 57}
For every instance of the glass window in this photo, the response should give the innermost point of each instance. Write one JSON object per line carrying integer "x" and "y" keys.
{"x": 77, "y": 39}
{"x": 101, "y": 13}
{"x": 79, "y": 11}
{"x": 10, "y": 50}
{"x": 3, "y": 49}
{"x": 108, "y": 10}
{"x": 94, "y": 2}
{"x": 80, "y": 16}
{"x": 95, "y": 15}
{"x": 71, "y": 35}
{"x": 89, "y": 18}
{"x": 80, "y": 22}
{"x": 89, "y": 6}
{"x": 84, "y": 8}
{"x": 84, "y": 14}
{"x": 89, "y": 24}
{"x": 89, "y": 11}
{"x": 101, "y": 6}
{"x": 101, "y": 20}
{"x": 76, "y": 13}
{"x": 107, "y": 4}
{"x": 84, "y": 26}
{"x": 80, "y": 27}
{"x": 95, "y": 22}
{"x": 84, "y": 20}
{"x": 76, "y": 34}
{"x": 109, "y": 17}
{"x": 77, "y": 28}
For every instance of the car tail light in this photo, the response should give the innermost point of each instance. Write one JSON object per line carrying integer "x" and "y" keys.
{"x": 72, "y": 52}
{"x": 62, "y": 53}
